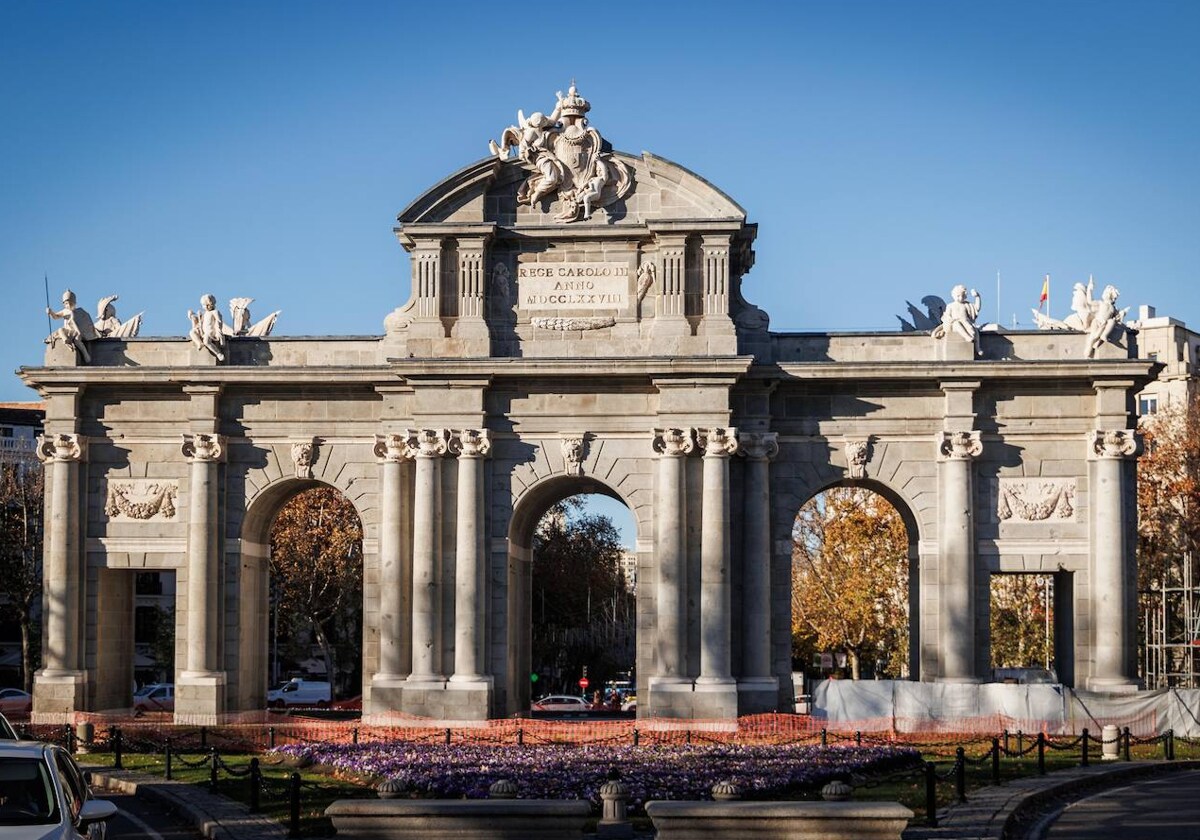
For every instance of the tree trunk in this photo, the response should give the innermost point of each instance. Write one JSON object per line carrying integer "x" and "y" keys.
{"x": 326, "y": 654}
{"x": 854, "y": 669}
{"x": 26, "y": 654}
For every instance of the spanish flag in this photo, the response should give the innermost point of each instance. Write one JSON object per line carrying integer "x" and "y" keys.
{"x": 1045, "y": 291}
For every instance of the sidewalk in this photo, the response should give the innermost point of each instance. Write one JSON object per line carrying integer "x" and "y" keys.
{"x": 216, "y": 817}
{"x": 1010, "y": 810}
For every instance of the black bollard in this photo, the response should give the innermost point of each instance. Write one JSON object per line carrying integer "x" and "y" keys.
{"x": 447, "y": 735}
{"x": 995, "y": 761}
{"x": 1169, "y": 745}
{"x": 294, "y": 805}
{"x": 213, "y": 765}
{"x": 271, "y": 736}
{"x": 354, "y": 735}
{"x": 1005, "y": 736}
{"x": 521, "y": 737}
{"x": 960, "y": 774}
{"x": 1127, "y": 743}
{"x": 824, "y": 738}
{"x": 1041, "y": 742}
{"x": 858, "y": 737}
{"x": 636, "y": 737}
{"x": 203, "y": 737}
{"x": 118, "y": 748}
{"x": 168, "y": 758}
{"x": 255, "y": 784}
{"x": 1020, "y": 741}
{"x": 931, "y": 794}
{"x": 1083, "y": 758}
{"x": 688, "y": 737}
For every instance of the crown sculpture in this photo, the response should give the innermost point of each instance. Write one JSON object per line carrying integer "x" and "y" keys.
{"x": 568, "y": 158}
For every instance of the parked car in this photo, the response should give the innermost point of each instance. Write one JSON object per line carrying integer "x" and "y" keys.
{"x": 157, "y": 697}
{"x": 7, "y": 733}
{"x": 14, "y": 701}
{"x": 45, "y": 796}
{"x": 300, "y": 692}
{"x": 562, "y": 703}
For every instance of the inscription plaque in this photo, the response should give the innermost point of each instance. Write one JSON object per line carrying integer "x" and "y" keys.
{"x": 575, "y": 285}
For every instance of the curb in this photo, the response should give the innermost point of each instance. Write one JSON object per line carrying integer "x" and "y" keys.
{"x": 215, "y": 817}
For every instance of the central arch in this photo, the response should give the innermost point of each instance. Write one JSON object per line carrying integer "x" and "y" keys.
{"x": 527, "y": 513}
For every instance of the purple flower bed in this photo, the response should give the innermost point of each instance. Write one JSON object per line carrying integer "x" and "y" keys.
{"x": 577, "y": 772}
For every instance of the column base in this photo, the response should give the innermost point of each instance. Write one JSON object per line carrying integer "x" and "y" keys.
{"x": 714, "y": 699}
{"x": 668, "y": 697}
{"x": 757, "y": 695}
{"x": 959, "y": 680}
{"x": 58, "y": 694}
{"x": 1113, "y": 685}
{"x": 200, "y": 698}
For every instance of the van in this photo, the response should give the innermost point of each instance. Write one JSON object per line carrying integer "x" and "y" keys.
{"x": 300, "y": 692}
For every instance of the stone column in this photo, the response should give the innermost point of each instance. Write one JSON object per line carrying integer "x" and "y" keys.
{"x": 715, "y": 601}
{"x": 428, "y": 446}
{"x": 670, "y": 551}
{"x": 469, "y": 622}
{"x": 62, "y": 576}
{"x": 956, "y": 554}
{"x": 205, "y": 451}
{"x": 392, "y": 450}
{"x": 671, "y": 317}
{"x": 716, "y": 285}
{"x": 1111, "y": 556}
{"x": 427, "y": 290}
{"x": 472, "y": 256}
{"x": 758, "y": 448}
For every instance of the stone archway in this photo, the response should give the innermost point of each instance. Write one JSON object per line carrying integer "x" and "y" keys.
{"x": 250, "y": 682}
{"x": 527, "y": 512}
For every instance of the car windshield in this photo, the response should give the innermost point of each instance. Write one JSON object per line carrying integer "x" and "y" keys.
{"x": 25, "y": 793}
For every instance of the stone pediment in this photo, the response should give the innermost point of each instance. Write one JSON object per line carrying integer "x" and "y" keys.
{"x": 486, "y": 193}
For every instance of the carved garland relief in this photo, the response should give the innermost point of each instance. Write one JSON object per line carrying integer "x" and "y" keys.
{"x": 141, "y": 499}
{"x": 1036, "y": 499}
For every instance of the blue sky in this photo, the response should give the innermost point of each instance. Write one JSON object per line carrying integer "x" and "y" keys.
{"x": 888, "y": 150}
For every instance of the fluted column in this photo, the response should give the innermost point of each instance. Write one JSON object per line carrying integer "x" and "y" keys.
{"x": 671, "y": 316}
{"x": 428, "y": 447}
{"x": 472, "y": 445}
{"x": 716, "y": 285}
{"x": 62, "y": 454}
{"x": 472, "y": 256}
{"x": 392, "y": 451}
{"x": 205, "y": 452}
{"x": 1111, "y": 556}
{"x": 672, "y": 445}
{"x": 715, "y": 601}
{"x": 956, "y": 554}
{"x": 758, "y": 448}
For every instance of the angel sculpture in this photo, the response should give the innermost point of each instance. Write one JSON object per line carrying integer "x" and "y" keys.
{"x": 208, "y": 328}
{"x": 108, "y": 325}
{"x": 239, "y": 312}
{"x": 1105, "y": 319}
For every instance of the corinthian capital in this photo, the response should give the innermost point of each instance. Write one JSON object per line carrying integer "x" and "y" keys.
{"x": 959, "y": 446}
{"x": 471, "y": 443}
{"x": 673, "y": 443}
{"x": 203, "y": 447}
{"x": 391, "y": 448}
{"x": 61, "y": 448}
{"x": 718, "y": 442}
{"x": 1114, "y": 443}
{"x": 758, "y": 446}
{"x": 428, "y": 443}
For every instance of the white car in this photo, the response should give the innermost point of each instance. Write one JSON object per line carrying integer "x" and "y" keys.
{"x": 300, "y": 692}
{"x": 158, "y": 697}
{"x": 562, "y": 703}
{"x": 44, "y": 796}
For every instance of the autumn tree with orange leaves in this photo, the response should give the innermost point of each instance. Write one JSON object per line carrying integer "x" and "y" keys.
{"x": 850, "y": 580}
{"x": 316, "y": 564}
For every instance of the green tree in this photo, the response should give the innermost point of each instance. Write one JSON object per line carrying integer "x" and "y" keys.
{"x": 583, "y": 611}
{"x": 316, "y": 560}
{"x": 850, "y": 580}
{"x": 1020, "y": 614}
{"x": 21, "y": 493}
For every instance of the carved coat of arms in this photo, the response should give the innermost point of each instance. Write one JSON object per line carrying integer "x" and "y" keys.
{"x": 568, "y": 157}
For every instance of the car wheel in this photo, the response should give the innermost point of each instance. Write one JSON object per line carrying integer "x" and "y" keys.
{"x": 276, "y": 704}
{"x": 322, "y": 704}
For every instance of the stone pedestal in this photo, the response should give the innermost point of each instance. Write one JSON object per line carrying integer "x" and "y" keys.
{"x": 57, "y": 695}
{"x": 199, "y": 698}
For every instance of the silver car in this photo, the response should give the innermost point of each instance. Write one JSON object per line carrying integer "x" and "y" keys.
{"x": 44, "y": 796}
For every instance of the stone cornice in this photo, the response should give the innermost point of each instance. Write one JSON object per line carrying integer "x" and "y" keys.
{"x": 1133, "y": 371}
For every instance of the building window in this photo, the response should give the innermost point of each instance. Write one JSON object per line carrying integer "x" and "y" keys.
{"x": 1147, "y": 406}
{"x": 6, "y": 431}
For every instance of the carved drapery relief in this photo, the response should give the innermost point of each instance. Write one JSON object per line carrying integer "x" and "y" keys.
{"x": 959, "y": 446}
{"x": 1114, "y": 443}
{"x": 304, "y": 455}
{"x": 392, "y": 448}
{"x": 758, "y": 446}
{"x": 203, "y": 447}
{"x": 721, "y": 442}
{"x": 645, "y": 279}
{"x": 858, "y": 452}
{"x": 673, "y": 442}
{"x": 428, "y": 443}
{"x": 501, "y": 282}
{"x": 569, "y": 324}
{"x": 568, "y": 158}
{"x": 471, "y": 443}
{"x": 61, "y": 448}
{"x": 573, "y": 445}
{"x": 141, "y": 499}
{"x": 1035, "y": 499}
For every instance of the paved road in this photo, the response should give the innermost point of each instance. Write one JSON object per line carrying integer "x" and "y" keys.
{"x": 138, "y": 819}
{"x": 1166, "y": 808}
